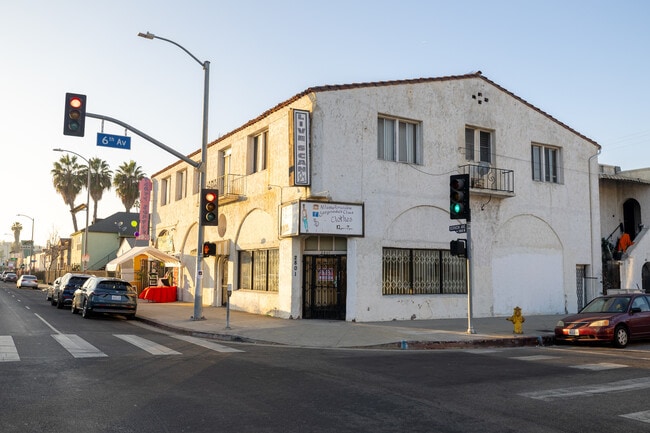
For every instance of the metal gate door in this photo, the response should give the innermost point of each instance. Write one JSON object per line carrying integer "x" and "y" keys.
{"x": 324, "y": 287}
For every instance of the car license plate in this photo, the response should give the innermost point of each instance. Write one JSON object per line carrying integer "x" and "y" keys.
{"x": 116, "y": 298}
{"x": 574, "y": 332}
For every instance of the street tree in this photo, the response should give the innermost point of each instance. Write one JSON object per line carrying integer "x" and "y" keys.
{"x": 68, "y": 178}
{"x": 126, "y": 182}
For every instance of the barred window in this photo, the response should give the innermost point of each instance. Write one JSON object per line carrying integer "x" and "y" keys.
{"x": 422, "y": 272}
{"x": 258, "y": 270}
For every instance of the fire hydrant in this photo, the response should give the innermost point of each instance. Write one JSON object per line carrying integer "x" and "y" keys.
{"x": 517, "y": 319}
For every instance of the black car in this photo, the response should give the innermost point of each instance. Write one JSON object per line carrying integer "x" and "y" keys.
{"x": 64, "y": 291}
{"x": 105, "y": 295}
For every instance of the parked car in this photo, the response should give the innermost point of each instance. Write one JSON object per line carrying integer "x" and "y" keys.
{"x": 49, "y": 291}
{"x": 3, "y": 275}
{"x": 27, "y": 281}
{"x": 105, "y": 295}
{"x": 616, "y": 319}
{"x": 64, "y": 292}
{"x": 10, "y": 277}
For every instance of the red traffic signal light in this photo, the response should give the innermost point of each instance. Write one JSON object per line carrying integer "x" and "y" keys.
{"x": 459, "y": 197}
{"x": 74, "y": 120}
{"x": 209, "y": 207}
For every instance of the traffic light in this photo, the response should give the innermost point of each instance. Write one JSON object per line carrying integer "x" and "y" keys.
{"x": 459, "y": 197}
{"x": 75, "y": 114}
{"x": 209, "y": 249}
{"x": 458, "y": 248}
{"x": 209, "y": 207}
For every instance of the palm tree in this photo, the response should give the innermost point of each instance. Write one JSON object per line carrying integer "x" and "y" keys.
{"x": 126, "y": 182}
{"x": 68, "y": 180}
{"x": 100, "y": 180}
{"x": 16, "y": 228}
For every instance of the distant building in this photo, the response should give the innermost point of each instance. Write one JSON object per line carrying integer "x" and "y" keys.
{"x": 334, "y": 204}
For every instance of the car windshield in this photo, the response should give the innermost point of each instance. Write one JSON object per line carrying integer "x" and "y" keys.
{"x": 114, "y": 285}
{"x": 29, "y": 277}
{"x": 608, "y": 305}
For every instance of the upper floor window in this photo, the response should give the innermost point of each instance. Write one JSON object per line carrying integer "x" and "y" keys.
{"x": 259, "y": 147}
{"x": 484, "y": 140}
{"x": 399, "y": 140}
{"x": 181, "y": 185}
{"x": 165, "y": 191}
{"x": 546, "y": 163}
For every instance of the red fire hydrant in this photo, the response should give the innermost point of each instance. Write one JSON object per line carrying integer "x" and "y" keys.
{"x": 517, "y": 319}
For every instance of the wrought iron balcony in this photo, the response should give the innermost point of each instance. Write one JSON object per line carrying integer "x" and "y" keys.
{"x": 485, "y": 179}
{"x": 231, "y": 187}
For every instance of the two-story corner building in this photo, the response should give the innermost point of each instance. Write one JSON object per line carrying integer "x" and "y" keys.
{"x": 335, "y": 204}
{"x": 624, "y": 200}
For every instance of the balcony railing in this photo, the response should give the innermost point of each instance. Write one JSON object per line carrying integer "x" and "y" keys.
{"x": 489, "y": 179}
{"x": 230, "y": 186}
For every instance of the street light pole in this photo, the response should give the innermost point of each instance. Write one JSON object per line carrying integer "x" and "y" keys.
{"x": 198, "y": 279}
{"x": 84, "y": 263}
{"x": 31, "y": 248}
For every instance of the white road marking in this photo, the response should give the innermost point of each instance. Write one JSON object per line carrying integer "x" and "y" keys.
{"x": 8, "y": 350}
{"x": 589, "y": 390}
{"x": 639, "y": 416}
{"x": 77, "y": 346}
{"x": 147, "y": 345}
{"x": 207, "y": 344}
{"x": 599, "y": 367}
{"x": 534, "y": 358}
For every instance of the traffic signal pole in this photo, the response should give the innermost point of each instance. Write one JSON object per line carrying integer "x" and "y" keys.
{"x": 470, "y": 278}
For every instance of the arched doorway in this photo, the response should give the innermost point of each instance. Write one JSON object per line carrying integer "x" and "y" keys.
{"x": 631, "y": 217}
{"x": 645, "y": 277}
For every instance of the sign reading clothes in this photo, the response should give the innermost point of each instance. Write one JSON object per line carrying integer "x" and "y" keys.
{"x": 322, "y": 218}
{"x": 301, "y": 157}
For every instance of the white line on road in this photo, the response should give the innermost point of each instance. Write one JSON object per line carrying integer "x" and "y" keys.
{"x": 639, "y": 416}
{"x": 589, "y": 390}
{"x": 207, "y": 344}
{"x": 600, "y": 366}
{"x": 77, "y": 346}
{"x": 8, "y": 350}
{"x": 149, "y": 346}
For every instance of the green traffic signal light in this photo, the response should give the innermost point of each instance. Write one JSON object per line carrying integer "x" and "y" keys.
{"x": 459, "y": 197}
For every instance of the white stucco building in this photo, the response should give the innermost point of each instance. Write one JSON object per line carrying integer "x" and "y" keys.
{"x": 370, "y": 163}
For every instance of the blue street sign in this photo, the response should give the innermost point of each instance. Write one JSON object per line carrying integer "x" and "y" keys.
{"x": 116, "y": 141}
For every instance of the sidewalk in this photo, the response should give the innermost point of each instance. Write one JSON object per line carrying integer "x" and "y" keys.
{"x": 412, "y": 334}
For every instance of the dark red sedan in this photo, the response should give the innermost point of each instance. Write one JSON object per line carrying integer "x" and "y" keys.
{"x": 616, "y": 319}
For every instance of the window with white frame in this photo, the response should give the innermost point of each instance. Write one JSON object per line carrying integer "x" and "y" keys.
{"x": 399, "y": 140}
{"x": 484, "y": 151}
{"x": 546, "y": 163}
{"x": 181, "y": 185}
{"x": 260, "y": 145}
{"x": 165, "y": 191}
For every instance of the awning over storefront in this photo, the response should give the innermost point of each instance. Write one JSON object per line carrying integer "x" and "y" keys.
{"x": 170, "y": 261}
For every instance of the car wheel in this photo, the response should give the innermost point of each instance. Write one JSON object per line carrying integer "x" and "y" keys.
{"x": 59, "y": 304}
{"x": 621, "y": 336}
{"x": 53, "y": 300}
{"x": 85, "y": 312}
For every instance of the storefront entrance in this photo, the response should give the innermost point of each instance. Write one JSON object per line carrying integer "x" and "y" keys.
{"x": 324, "y": 287}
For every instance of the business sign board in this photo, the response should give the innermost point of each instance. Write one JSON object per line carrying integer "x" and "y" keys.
{"x": 322, "y": 218}
{"x": 301, "y": 155}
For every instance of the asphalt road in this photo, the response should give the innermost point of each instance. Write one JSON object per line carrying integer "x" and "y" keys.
{"x": 62, "y": 373}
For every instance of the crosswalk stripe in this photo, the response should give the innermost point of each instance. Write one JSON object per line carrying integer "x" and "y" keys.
{"x": 147, "y": 345}
{"x": 639, "y": 416}
{"x": 534, "y": 358}
{"x": 589, "y": 390}
{"x": 207, "y": 344}
{"x": 599, "y": 367}
{"x": 8, "y": 350}
{"x": 77, "y": 346}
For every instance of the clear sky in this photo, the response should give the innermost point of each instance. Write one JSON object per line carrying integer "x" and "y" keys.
{"x": 585, "y": 62}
